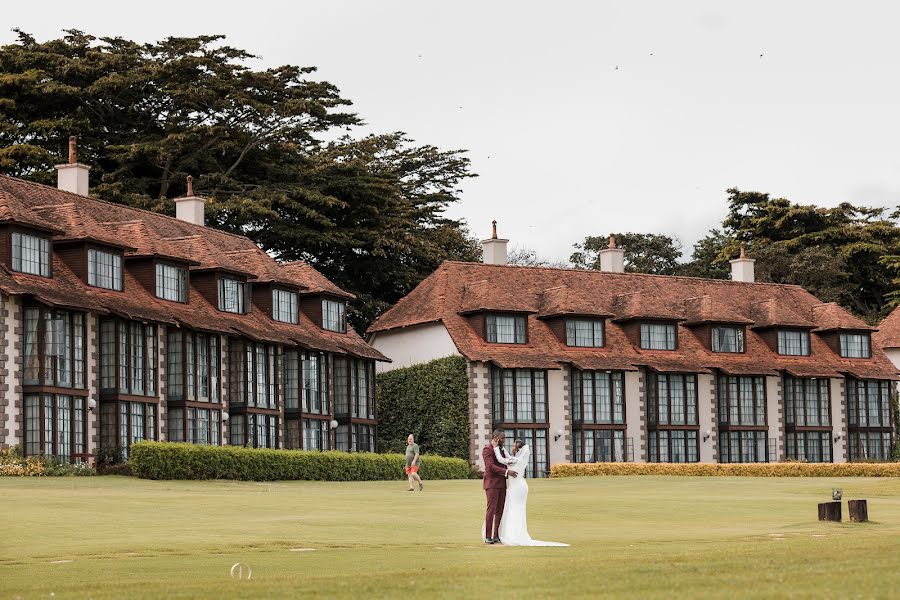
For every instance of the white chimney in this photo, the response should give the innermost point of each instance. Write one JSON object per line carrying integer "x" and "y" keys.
{"x": 73, "y": 176}
{"x": 493, "y": 251}
{"x": 742, "y": 268}
{"x": 612, "y": 259}
{"x": 191, "y": 208}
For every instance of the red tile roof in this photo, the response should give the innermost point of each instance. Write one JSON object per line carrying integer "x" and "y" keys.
{"x": 543, "y": 292}
{"x": 888, "y": 334}
{"x": 142, "y": 234}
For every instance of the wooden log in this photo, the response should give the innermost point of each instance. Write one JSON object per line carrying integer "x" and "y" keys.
{"x": 830, "y": 511}
{"x": 859, "y": 510}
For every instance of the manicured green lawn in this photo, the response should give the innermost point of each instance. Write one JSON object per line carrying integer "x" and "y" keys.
{"x": 107, "y": 537}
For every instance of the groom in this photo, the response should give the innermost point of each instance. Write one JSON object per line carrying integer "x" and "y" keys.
{"x": 495, "y": 475}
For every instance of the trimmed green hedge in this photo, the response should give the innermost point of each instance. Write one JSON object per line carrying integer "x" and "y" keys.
{"x": 431, "y": 401}
{"x": 166, "y": 460}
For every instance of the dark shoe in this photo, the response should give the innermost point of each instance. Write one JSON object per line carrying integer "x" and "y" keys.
{"x": 488, "y": 541}
{"x": 410, "y": 490}
{"x": 496, "y": 540}
{"x": 421, "y": 486}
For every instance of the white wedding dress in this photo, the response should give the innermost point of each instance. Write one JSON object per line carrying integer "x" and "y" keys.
{"x": 514, "y": 524}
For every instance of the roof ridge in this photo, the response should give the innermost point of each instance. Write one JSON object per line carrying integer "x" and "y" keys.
{"x": 626, "y": 274}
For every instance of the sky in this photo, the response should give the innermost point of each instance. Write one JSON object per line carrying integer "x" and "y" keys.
{"x": 583, "y": 118}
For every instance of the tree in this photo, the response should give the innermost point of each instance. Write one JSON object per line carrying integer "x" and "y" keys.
{"x": 367, "y": 212}
{"x": 710, "y": 256}
{"x": 837, "y": 253}
{"x": 644, "y": 252}
{"x": 527, "y": 257}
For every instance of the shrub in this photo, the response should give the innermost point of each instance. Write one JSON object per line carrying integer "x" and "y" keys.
{"x": 431, "y": 401}
{"x": 784, "y": 469}
{"x": 13, "y": 464}
{"x": 165, "y": 460}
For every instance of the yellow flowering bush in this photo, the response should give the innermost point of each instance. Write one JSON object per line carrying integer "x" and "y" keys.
{"x": 13, "y": 464}
{"x": 784, "y": 469}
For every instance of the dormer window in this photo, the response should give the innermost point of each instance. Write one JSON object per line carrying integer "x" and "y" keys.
{"x": 104, "y": 269}
{"x": 727, "y": 339}
{"x": 333, "y": 315}
{"x": 856, "y": 345}
{"x": 232, "y": 295}
{"x": 171, "y": 282}
{"x": 584, "y": 333}
{"x": 793, "y": 342}
{"x": 284, "y": 306}
{"x": 30, "y": 254}
{"x": 658, "y": 336}
{"x": 505, "y": 329}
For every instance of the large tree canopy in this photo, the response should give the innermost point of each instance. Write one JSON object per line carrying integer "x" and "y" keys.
{"x": 268, "y": 148}
{"x": 644, "y": 252}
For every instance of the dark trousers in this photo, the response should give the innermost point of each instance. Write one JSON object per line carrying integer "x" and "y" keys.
{"x": 496, "y": 498}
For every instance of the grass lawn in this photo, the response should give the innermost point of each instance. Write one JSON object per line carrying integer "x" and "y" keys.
{"x": 665, "y": 537}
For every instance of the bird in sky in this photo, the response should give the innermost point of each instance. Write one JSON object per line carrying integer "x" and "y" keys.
{"x": 617, "y": 67}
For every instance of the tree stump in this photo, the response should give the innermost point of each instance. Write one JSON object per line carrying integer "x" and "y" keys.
{"x": 830, "y": 511}
{"x": 859, "y": 510}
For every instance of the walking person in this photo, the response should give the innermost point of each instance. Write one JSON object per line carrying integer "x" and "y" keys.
{"x": 412, "y": 464}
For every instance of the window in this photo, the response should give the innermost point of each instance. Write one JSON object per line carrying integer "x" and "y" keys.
{"x": 740, "y": 446}
{"x": 672, "y": 418}
{"x": 55, "y": 426}
{"x": 658, "y": 336}
{"x": 505, "y": 329}
{"x": 333, "y": 317}
{"x": 869, "y": 419}
{"x": 171, "y": 282}
{"x": 792, "y": 342}
{"x": 232, "y": 295}
{"x": 537, "y": 441}
{"x": 727, "y": 339}
{"x": 104, "y": 269}
{"x": 807, "y": 402}
{"x": 193, "y": 363}
{"x": 602, "y": 445}
{"x": 54, "y": 347}
{"x": 518, "y": 396}
{"x": 584, "y": 333}
{"x": 30, "y": 254}
{"x": 742, "y": 401}
{"x": 128, "y": 357}
{"x": 598, "y": 397}
{"x": 354, "y": 388}
{"x": 284, "y": 306}
{"x": 856, "y": 345}
{"x": 125, "y": 423}
{"x": 306, "y": 382}
{"x": 316, "y": 434}
{"x": 251, "y": 374}
{"x": 253, "y": 430}
{"x": 203, "y": 426}
{"x": 807, "y": 419}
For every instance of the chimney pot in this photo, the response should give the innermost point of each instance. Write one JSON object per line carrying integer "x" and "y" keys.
{"x": 190, "y": 186}
{"x": 73, "y": 150}
{"x": 612, "y": 240}
{"x": 494, "y": 233}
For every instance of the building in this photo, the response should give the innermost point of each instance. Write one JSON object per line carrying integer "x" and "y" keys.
{"x": 613, "y": 366}
{"x": 120, "y": 325}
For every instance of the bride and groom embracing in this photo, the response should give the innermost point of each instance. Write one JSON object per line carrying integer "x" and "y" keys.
{"x": 506, "y": 518}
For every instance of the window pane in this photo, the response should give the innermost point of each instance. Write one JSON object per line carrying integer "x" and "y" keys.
{"x": 30, "y": 254}
{"x": 171, "y": 282}
{"x": 333, "y": 315}
{"x": 793, "y": 343}
{"x": 727, "y": 339}
{"x": 855, "y": 345}
{"x": 284, "y": 306}
{"x": 505, "y": 329}
{"x": 584, "y": 333}
{"x": 657, "y": 336}
{"x": 231, "y": 295}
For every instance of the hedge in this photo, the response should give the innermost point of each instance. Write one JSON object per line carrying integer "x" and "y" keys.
{"x": 785, "y": 469}
{"x": 13, "y": 464}
{"x": 166, "y": 460}
{"x": 431, "y": 401}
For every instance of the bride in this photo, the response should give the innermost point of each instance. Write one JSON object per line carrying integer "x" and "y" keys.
{"x": 514, "y": 525}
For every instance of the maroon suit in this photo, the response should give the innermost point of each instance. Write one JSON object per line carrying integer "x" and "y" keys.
{"x": 495, "y": 490}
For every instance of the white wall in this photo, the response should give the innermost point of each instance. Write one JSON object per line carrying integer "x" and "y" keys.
{"x": 635, "y": 427}
{"x": 413, "y": 345}
{"x": 838, "y": 420}
{"x": 706, "y": 412}
{"x": 558, "y": 408}
{"x": 775, "y": 415}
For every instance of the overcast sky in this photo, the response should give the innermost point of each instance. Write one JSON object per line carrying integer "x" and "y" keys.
{"x": 583, "y": 118}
